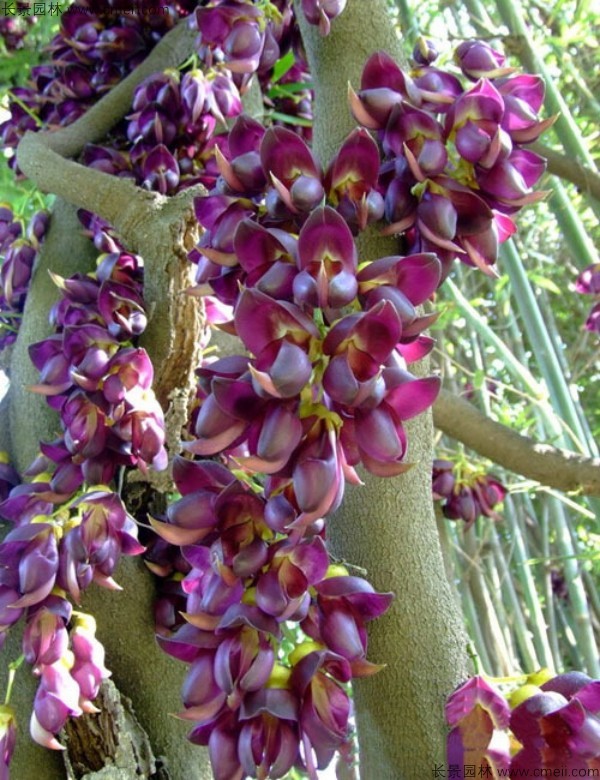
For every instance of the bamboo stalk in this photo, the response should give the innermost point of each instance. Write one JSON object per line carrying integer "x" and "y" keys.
{"x": 523, "y": 634}
{"x": 529, "y": 590}
{"x": 546, "y": 577}
{"x": 549, "y": 366}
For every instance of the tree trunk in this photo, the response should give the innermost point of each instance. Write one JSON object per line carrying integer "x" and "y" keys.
{"x": 388, "y": 526}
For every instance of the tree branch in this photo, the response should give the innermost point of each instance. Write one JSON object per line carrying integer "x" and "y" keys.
{"x": 560, "y": 469}
{"x": 586, "y": 180}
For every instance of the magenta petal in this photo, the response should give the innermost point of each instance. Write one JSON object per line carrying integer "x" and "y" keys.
{"x": 341, "y": 634}
{"x": 255, "y": 246}
{"x": 438, "y": 214}
{"x": 418, "y": 276}
{"x": 195, "y": 510}
{"x": 216, "y": 429}
{"x": 326, "y": 236}
{"x": 525, "y": 718}
{"x": 285, "y": 155}
{"x": 340, "y": 383}
{"x": 312, "y": 558}
{"x": 288, "y": 373}
{"x": 413, "y": 397}
{"x": 270, "y": 595}
{"x": 245, "y": 136}
{"x": 191, "y": 475}
{"x": 379, "y": 435}
{"x": 477, "y": 692}
{"x": 317, "y": 477}
{"x": 357, "y": 163}
{"x": 382, "y": 71}
{"x": 261, "y": 320}
{"x": 280, "y": 434}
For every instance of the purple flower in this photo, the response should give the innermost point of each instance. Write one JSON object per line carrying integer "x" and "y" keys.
{"x": 478, "y": 60}
{"x": 588, "y": 281}
{"x": 57, "y": 699}
{"x": 88, "y": 669}
{"x": 29, "y": 562}
{"x": 327, "y": 260}
{"x": 478, "y": 715}
{"x": 342, "y": 607}
{"x": 8, "y": 738}
{"x": 45, "y": 639}
{"x": 559, "y": 727}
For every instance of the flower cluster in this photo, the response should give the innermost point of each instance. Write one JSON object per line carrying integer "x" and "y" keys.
{"x": 588, "y": 283}
{"x": 18, "y": 254}
{"x": 326, "y": 386}
{"x": 92, "y": 374}
{"x": 455, "y": 164}
{"x": 253, "y": 571}
{"x": 242, "y": 35}
{"x": 69, "y": 528}
{"x": 171, "y": 131}
{"x": 92, "y": 52}
{"x": 248, "y": 37}
{"x": 14, "y": 29}
{"x": 56, "y": 548}
{"x": 323, "y": 387}
{"x": 466, "y": 496}
{"x": 556, "y": 725}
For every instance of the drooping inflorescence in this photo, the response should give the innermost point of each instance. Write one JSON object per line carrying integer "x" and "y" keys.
{"x": 273, "y": 631}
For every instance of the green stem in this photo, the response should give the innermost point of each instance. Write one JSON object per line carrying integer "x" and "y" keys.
{"x": 13, "y": 667}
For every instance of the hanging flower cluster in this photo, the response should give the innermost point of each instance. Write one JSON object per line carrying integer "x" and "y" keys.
{"x": 242, "y": 35}
{"x": 555, "y": 726}
{"x": 254, "y": 569}
{"x": 99, "y": 382}
{"x": 327, "y": 380}
{"x": 272, "y": 631}
{"x": 456, "y": 165}
{"x": 249, "y": 37}
{"x": 466, "y": 494}
{"x": 14, "y": 29}
{"x": 171, "y": 131}
{"x": 69, "y": 528}
{"x": 588, "y": 283}
{"x": 323, "y": 387}
{"x": 92, "y": 52}
{"x": 18, "y": 254}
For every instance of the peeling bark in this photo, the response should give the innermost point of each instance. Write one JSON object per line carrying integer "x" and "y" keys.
{"x": 109, "y": 743}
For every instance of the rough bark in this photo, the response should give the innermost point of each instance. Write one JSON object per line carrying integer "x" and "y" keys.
{"x": 108, "y": 744}
{"x": 388, "y": 526}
